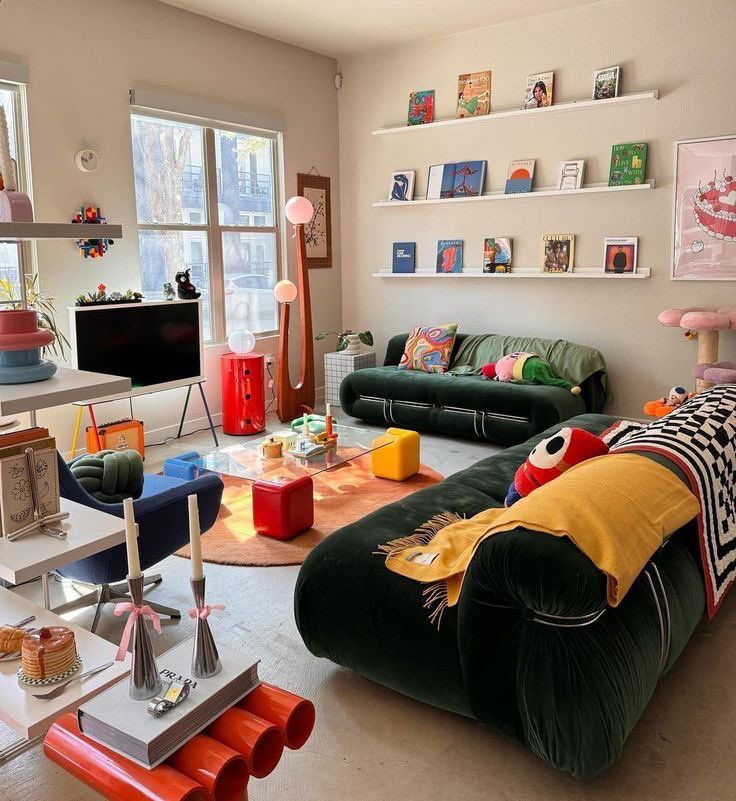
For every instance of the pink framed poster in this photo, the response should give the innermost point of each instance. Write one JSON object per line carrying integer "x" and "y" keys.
{"x": 704, "y": 236}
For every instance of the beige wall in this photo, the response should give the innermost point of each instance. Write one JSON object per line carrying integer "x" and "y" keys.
{"x": 83, "y": 58}
{"x": 683, "y": 49}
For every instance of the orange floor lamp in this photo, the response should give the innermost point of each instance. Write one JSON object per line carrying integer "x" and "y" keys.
{"x": 291, "y": 401}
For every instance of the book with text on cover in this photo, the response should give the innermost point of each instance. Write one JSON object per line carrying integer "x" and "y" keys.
{"x": 473, "y": 94}
{"x": 497, "y": 255}
{"x": 628, "y": 164}
{"x": 115, "y": 720}
{"x": 421, "y": 107}
{"x": 450, "y": 256}
{"x": 539, "y": 89}
{"x": 403, "y": 257}
{"x": 441, "y": 181}
{"x": 558, "y": 253}
{"x": 520, "y": 176}
{"x": 571, "y": 174}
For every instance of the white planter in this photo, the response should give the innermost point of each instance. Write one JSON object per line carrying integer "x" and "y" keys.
{"x": 353, "y": 345}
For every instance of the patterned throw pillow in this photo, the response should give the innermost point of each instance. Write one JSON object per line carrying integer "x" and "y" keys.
{"x": 429, "y": 349}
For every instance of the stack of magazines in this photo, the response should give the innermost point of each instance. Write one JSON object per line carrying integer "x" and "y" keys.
{"x": 115, "y": 720}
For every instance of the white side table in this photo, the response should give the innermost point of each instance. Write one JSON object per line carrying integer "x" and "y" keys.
{"x": 338, "y": 365}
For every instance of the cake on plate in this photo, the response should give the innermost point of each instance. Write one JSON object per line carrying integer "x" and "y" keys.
{"x": 48, "y": 652}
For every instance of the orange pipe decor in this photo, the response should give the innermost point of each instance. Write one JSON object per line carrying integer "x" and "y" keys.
{"x": 220, "y": 770}
{"x": 259, "y": 741}
{"x": 112, "y": 775}
{"x": 294, "y": 716}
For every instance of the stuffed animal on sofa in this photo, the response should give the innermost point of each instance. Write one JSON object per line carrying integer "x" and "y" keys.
{"x": 667, "y": 403}
{"x": 526, "y": 367}
{"x": 551, "y": 457}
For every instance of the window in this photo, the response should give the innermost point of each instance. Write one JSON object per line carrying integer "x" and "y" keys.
{"x": 206, "y": 201}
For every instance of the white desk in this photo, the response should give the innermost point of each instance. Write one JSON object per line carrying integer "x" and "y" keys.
{"x": 64, "y": 387}
{"x": 29, "y": 717}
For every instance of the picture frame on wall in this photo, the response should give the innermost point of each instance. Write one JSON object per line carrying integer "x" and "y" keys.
{"x": 318, "y": 231}
{"x": 619, "y": 255}
{"x": 704, "y": 224}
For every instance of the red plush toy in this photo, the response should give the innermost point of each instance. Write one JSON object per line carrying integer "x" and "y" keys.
{"x": 551, "y": 457}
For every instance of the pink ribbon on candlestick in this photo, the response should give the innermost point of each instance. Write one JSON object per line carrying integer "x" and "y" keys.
{"x": 143, "y": 611}
{"x": 203, "y": 612}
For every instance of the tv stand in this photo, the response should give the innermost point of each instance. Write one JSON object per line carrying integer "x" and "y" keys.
{"x": 90, "y": 404}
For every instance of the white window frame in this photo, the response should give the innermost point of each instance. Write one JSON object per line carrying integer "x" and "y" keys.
{"x": 213, "y": 228}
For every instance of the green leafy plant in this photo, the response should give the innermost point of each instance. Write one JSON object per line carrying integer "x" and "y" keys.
{"x": 342, "y": 338}
{"x": 44, "y": 306}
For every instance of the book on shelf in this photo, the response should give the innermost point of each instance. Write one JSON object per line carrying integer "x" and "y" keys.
{"x": 520, "y": 176}
{"x": 403, "y": 257}
{"x": 539, "y": 90}
{"x": 497, "y": 255}
{"x": 450, "y": 256}
{"x": 463, "y": 179}
{"x": 421, "y": 107}
{"x": 401, "y": 186}
{"x": 473, "y": 94}
{"x": 606, "y": 83}
{"x": 558, "y": 253}
{"x": 571, "y": 174}
{"x": 124, "y": 725}
{"x": 619, "y": 254}
{"x": 628, "y": 164}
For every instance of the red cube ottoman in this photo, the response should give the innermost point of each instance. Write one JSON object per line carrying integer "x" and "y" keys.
{"x": 284, "y": 510}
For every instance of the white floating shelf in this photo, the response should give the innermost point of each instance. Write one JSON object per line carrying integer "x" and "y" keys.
{"x": 591, "y": 189}
{"x": 14, "y": 231}
{"x": 575, "y": 105}
{"x": 524, "y": 272}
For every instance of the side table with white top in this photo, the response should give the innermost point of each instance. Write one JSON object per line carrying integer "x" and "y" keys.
{"x": 338, "y": 365}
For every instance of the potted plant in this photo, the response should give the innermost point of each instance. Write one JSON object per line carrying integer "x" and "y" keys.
{"x": 100, "y": 297}
{"x": 348, "y": 341}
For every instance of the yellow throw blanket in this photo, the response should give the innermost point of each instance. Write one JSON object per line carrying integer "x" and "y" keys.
{"x": 618, "y": 509}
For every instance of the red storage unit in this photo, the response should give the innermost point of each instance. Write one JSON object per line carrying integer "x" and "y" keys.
{"x": 243, "y": 393}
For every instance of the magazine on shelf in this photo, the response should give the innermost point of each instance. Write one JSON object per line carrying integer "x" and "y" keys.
{"x": 619, "y": 254}
{"x": 520, "y": 176}
{"x": 450, "y": 256}
{"x": 401, "y": 186}
{"x": 403, "y": 257}
{"x": 473, "y": 94}
{"x": 539, "y": 90}
{"x": 497, "y": 255}
{"x": 606, "y": 83}
{"x": 463, "y": 179}
{"x": 124, "y": 725}
{"x": 571, "y": 174}
{"x": 628, "y": 164}
{"x": 558, "y": 253}
{"x": 421, "y": 107}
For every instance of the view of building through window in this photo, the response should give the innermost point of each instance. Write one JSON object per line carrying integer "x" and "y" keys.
{"x": 215, "y": 217}
{"x": 10, "y": 260}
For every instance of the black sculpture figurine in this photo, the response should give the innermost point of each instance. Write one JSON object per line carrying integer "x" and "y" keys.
{"x": 185, "y": 289}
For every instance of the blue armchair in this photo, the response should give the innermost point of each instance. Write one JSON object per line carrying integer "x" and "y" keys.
{"x": 163, "y": 527}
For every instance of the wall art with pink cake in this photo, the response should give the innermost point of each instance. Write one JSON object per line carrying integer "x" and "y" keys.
{"x": 704, "y": 246}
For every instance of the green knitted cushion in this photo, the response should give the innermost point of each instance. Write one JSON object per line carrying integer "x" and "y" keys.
{"x": 110, "y": 476}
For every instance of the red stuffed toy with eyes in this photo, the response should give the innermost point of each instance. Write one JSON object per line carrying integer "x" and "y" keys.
{"x": 551, "y": 457}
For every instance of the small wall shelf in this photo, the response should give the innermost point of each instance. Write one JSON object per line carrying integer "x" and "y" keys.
{"x": 575, "y": 105}
{"x": 524, "y": 272}
{"x": 592, "y": 189}
{"x": 15, "y": 231}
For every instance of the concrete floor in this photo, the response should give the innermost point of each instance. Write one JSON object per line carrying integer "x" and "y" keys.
{"x": 372, "y": 744}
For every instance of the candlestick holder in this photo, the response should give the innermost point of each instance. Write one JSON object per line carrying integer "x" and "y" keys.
{"x": 205, "y": 659}
{"x": 145, "y": 681}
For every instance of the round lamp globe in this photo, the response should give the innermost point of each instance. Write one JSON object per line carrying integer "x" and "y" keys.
{"x": 285, "y": 291}
{"x": 241, "y": 341}
{"x": 299, "y": 210}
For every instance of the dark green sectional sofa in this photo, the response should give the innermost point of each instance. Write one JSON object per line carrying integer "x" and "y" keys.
{"x": 531, "y": 650}
{"x": 468, "y": 405}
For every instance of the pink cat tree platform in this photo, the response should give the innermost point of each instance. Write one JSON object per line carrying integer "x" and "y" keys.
{"x": 706, "y": 324}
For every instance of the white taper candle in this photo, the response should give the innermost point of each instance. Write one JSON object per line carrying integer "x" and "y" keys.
{"x": 131, "y": 539}
{"x": 328, "y": 411}
{"x": 195, "y": 538}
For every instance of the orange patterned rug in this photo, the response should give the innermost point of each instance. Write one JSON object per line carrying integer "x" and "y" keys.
{"x": 342, "y": 495}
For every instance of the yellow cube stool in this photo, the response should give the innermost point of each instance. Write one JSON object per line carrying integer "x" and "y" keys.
{"x": 397, "y": 454}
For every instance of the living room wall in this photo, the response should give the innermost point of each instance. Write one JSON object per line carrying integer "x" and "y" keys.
{"x": 670, "y": 45}
{"x": 82, "y": 60}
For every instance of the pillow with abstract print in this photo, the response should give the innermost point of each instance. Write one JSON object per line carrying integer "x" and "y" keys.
{"x": 429, "y": 349}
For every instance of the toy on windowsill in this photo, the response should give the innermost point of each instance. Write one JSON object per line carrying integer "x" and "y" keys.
{"x": 667, "y": 403}
{"x": 168, "y": 290}
{"x": 92, "y": 248}
{"x": 101, "y": 298}
{"x": 551, "y": 457}
{"x": 185, "y": 289}
{"x": 526, "y": 367}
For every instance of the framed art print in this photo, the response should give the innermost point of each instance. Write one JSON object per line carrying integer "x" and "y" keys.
{"x": 318, "y": 231}
{"x": 704, "y": 226}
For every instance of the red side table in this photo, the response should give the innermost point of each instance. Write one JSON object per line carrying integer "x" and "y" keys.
{"x": 283, "y": 510}
{"x": 243, "y": 393}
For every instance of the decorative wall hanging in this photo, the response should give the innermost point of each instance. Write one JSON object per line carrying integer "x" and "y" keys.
{"x": 92, "y": 248}
{"x": 318, "y": 231}
{"x": 704, "y": 231}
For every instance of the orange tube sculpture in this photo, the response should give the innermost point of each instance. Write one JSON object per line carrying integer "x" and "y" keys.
{"x": 112, "y": 775}
{"x": 220, "y": 770}
{"x": 294, "y": 716}
{"x": 259, "y": 741}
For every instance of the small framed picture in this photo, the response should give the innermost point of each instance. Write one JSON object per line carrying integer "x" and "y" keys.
{"x": 402, "y": 185}
{"x": 558, "y": 253}
{"x": 571, "y": 174}
{"x": 606, "y": 83}
{"x": 619, "y": 254}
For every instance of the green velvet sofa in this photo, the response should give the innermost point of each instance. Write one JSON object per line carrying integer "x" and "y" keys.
{"x": 470, "y": 405}
{"x": 531, "y": 650}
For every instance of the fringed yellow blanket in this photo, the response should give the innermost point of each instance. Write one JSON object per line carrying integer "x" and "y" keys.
{"x": 617, "y": 509}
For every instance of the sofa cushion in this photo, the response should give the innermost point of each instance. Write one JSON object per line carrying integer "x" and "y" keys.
{"x": 428, "y": 349}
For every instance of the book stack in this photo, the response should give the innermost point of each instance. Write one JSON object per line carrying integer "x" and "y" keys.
{"x": 124, "y": 725}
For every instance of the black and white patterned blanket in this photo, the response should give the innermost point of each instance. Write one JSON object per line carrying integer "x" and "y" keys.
{"x": 700, "y": 437}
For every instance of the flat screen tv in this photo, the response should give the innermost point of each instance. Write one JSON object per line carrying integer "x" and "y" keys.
{"x": 158, "y": 345}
